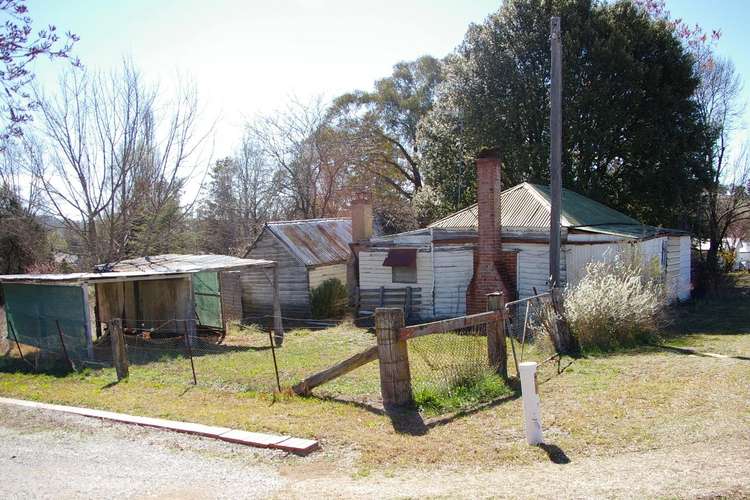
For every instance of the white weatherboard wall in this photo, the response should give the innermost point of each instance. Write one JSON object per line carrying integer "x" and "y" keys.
{"x": 579, "y": 256}
{"x": 683, "y": 290}
{"x": 320, "y": 274}
{"x": 533, "y": 267}
{"x": 454, "y": 267}
{"x": 672, "y": 276}
{"x": 373, "y": 274}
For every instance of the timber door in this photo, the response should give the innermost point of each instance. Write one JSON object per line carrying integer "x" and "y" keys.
{"x": 207, "y": 297}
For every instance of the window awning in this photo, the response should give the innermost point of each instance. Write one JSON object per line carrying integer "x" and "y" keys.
{"x": 401, "y": 257}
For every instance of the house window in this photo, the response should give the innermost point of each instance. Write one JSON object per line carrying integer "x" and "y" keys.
{"x": 403, "y": 264}
{"x": 404, "y": 274}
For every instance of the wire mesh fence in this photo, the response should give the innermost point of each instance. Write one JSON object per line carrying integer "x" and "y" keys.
{"x": 442, "y": 361}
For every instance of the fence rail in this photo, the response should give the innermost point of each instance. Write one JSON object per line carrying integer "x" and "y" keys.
{"x": 407, "y": 298}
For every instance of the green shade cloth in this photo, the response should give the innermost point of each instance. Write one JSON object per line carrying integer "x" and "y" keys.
{"x": 33, "y": 312}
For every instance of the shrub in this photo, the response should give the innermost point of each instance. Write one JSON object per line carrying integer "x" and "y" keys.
{"x": 728, "y": 259}
{"x": 475, "y": 387}
{"x": 329, "y": 299}
{"x": 615, "y": 305}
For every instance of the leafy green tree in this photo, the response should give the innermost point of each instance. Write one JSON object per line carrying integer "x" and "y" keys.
{"x": 381, "y": 125}
{"x": 631, "y": 134}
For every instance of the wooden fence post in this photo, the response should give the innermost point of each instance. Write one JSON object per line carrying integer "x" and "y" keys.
{"x": 395, "y": 379}
{"x": 119, "y": 353}
{"x": 278, "y": 324}
{"x": 496, "y": 350}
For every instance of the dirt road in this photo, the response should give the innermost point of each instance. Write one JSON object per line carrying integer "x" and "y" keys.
{"x": 51, "y": 455}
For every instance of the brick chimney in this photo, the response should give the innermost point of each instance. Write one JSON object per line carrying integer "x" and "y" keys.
{"x": 361, "y": 208}
{"x": 488, "y": 254}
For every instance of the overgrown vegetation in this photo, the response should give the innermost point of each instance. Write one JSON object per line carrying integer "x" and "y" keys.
{"x": 329, "y": 300}
{"x": 465, "y": 391}
{"x": 615, "y": 305}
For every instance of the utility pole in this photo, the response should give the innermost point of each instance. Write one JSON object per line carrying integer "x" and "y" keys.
{"x": 555, "y": 132}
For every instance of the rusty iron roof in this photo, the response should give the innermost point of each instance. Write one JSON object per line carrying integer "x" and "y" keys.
{"x": 315, "y": 242}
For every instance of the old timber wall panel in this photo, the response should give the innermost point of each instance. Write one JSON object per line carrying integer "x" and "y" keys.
{"x": 257, "y": 292}
{"x": 322, "y": 273}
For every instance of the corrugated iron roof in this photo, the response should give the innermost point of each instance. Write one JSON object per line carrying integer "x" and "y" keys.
{"x": 528, "y": 205}
{"x": 316, "y": 241}
{"x": 178, "y": 263}
{"x": 143, "y": 267}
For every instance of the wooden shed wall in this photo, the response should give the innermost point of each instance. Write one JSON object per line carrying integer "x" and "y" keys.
{"x": 160, "y": 300}
{"x": 257, "y": 291}
{"x": 322, "y": 273}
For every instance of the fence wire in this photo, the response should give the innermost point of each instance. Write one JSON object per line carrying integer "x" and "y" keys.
{"x": 239, "y": 360}
{"x": 442, "y": 361}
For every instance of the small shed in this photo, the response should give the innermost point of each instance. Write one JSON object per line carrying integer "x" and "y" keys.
{"x": 158, "y": 292}
{"x": 308, "y": 252}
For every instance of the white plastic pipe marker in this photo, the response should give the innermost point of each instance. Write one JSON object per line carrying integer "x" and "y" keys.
{"x": 531, "y": 415}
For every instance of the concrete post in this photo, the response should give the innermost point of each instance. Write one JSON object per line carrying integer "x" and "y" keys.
{"x": 532, "y": 419}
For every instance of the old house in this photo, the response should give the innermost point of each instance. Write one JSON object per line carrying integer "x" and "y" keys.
{"x": 502, "y": 243}
{"x": 308, "y": 252}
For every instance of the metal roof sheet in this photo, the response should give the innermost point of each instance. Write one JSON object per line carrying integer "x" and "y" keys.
{"x": 144, "y": 267}
{"x": 181, "y": 263}
{"x": 316, "y": 241}
{"x": 528, "y": 205}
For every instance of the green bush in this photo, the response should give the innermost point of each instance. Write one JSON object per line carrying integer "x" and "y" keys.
{"x": 329, "y": 300}
{"x": 479, "y": 386}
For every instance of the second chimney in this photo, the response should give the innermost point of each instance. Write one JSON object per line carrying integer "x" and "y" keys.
{"x": 487, "y": 277}
{"x": 361, "y": 208}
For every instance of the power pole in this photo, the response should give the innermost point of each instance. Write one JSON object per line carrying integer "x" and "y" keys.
{"x": 555, "y": 131}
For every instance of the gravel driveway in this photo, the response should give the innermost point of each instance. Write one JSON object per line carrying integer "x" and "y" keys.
{"x": 53, "y": 455}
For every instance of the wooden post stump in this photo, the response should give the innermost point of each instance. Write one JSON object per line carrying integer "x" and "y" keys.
{"x": 119, "y": 353}
{"x": 395, "y": 378}
{"x": 496, "y": 349}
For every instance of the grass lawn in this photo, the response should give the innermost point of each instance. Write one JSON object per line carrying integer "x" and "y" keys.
{"x": 632, "y": 400}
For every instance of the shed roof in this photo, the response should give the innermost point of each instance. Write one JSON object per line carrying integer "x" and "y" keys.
{"x": 315, "y": 242}
{"x": 143, "y": 268}
{"x": 528, "y": 206}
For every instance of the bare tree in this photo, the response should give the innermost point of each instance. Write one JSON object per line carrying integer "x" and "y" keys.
{"x": 117, "y": 155}
{"x": 718, "y": 103}
{"x": 254, "y": 185}
{"x": 307, "y": 156}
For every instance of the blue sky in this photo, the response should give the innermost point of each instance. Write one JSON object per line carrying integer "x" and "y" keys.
{"x": 250, "y": 56}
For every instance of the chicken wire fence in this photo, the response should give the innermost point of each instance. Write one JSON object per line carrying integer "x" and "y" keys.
{"x": 530, "y": 319}
{"x": 239, "y": 359}
{"x": 442, "y": 361}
